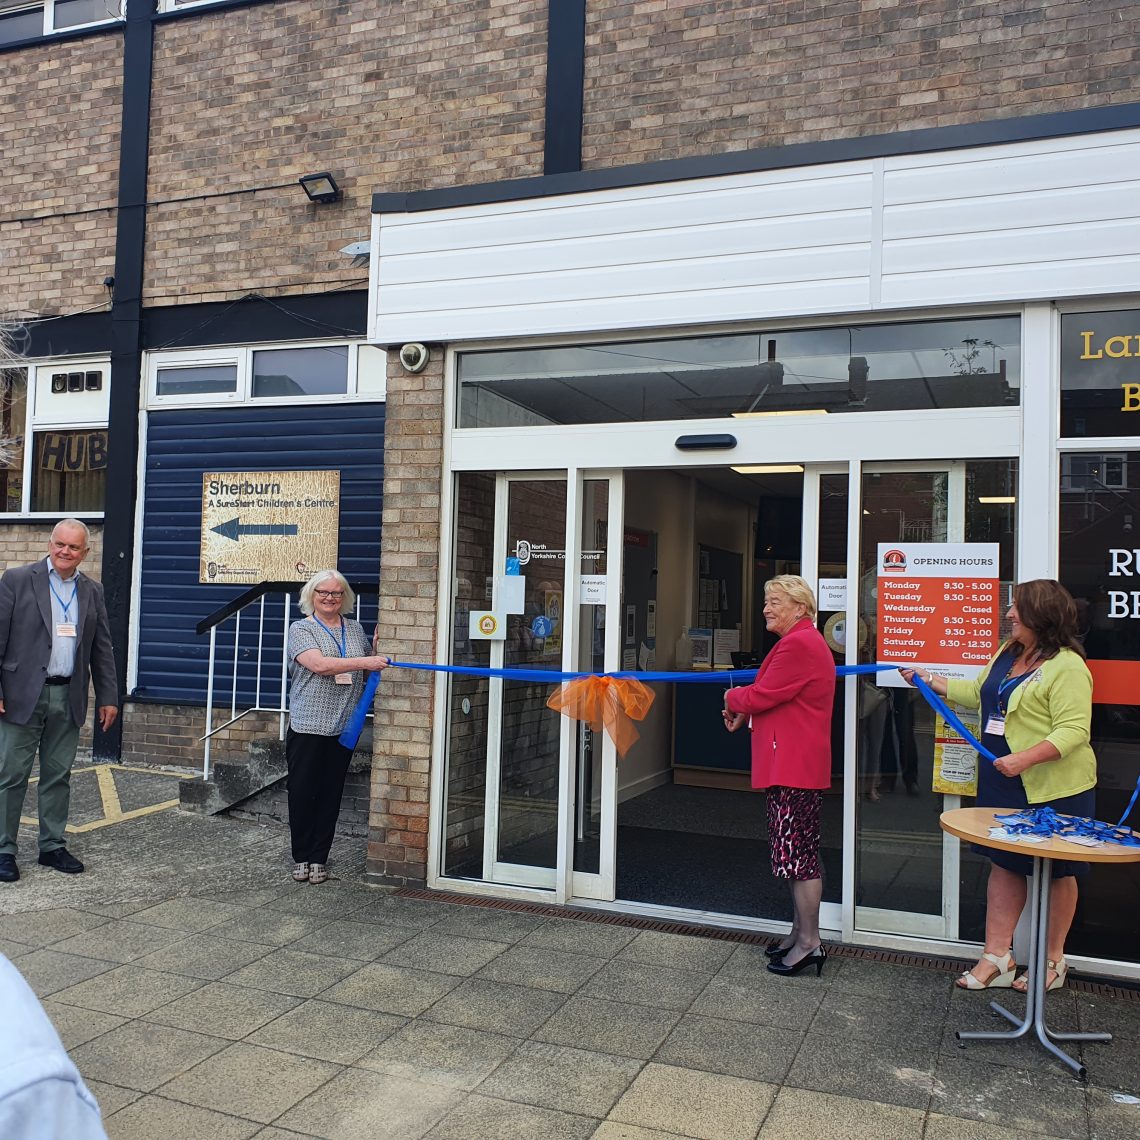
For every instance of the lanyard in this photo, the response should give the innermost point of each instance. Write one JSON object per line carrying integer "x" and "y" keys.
{"x": 65, "y": 606}
{"x": 342, "y": 641}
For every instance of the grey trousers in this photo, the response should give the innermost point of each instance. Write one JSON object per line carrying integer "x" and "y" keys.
{"x": 52, "y": 733}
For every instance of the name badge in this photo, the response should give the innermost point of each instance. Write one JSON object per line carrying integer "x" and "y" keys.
{"x": 65, "y": 629}
{"x": 343, "y": 678}
{"x": 995, "y": 726}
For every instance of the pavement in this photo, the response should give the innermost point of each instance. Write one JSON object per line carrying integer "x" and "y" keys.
{"x": 204, "y": 994}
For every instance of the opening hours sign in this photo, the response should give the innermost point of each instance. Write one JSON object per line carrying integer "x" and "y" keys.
{"x": 938, "y": 607}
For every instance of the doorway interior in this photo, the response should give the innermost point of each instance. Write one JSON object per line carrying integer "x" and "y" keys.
{"x": 534, "y": 800}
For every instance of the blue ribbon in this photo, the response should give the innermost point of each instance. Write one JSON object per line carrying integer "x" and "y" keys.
{"x": 355, "y": 726}
{"x": 1045, "y": 822}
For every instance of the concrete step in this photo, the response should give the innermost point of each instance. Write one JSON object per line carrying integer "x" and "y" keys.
{"x": 232, "y": 781}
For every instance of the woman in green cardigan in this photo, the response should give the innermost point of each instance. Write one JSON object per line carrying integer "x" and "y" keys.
{"x": 1035, "y": 698}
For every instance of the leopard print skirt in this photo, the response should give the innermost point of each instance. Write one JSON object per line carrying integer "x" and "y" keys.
{"x": 793, "y": 832}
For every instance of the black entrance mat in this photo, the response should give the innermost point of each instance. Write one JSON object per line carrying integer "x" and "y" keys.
{"x": 716, "y": 873}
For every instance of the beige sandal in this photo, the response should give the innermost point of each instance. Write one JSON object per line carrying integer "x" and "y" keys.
{"x": 318, "y": 873}
{"x": 300, "y": 872}
{"x": 1060, "y": 975}
{"x": 1002, "y": 980}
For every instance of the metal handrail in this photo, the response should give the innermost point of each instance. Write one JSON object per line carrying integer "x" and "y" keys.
{"x": 264, "y": 665}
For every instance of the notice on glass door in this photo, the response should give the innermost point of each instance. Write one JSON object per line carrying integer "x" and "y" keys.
{"x": 937, "y": 607}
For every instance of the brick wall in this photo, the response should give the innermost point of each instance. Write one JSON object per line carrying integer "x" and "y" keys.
{"x": 666, "y": 79}
{"x": 409, "y": 573}
{"x": 169, "y": 734}
{"x": 21, "y": 543}
{"x": 60, "y": 109}
{"x": 384, "y": 96}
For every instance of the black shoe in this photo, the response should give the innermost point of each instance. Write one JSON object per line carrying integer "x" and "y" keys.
{"x": 9, "y": 872}
{"x": 61, "y": 860}
{"x": 816, "y": 958}
{"x": 775, "y": 950}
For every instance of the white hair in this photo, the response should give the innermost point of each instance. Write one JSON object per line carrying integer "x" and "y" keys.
{"x": 347, "y": 603}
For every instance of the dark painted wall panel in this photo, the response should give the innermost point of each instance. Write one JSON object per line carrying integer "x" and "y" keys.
{"x": 181, "y": 446}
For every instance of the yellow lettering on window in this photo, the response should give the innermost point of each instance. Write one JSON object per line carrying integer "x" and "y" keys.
{"x": 1088, "y": 353}
{"x": 1117, "y": 346}
{"x": 1131, "y": 398}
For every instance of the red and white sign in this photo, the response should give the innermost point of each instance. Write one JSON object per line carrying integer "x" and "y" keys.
{"x": 938, "y": 607}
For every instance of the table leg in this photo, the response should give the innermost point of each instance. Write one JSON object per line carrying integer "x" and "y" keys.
{"x": 1038, "y": 968}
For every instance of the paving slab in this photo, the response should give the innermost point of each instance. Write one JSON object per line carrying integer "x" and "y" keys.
{"x": 359, "y": 1103}
{"x": 625, "y": 1029}
{"x": 543, "y": 969}
{"x": 110, "y": 1097}
{"x": 708, "y": 1106}
{"x": 143, "y": 1056}
{"x": 152, "y": 1117}
{"x": 48, "y": 971}
{"x": 600, "y": 940}
{"x": 562, "y": 1078}
{"x": 441, "y": 1054}
{"x": 486, "y": 922}
{"x": 392, "y": 989}
{"x": 294, "y": 972}
{"x": 250, "y": 1081}
{"x": 647, "y": 985}
{"x": 787, "y": 1003}
{"x": 204, "y": 956}
{"x": 119, "y": 940}
{"x": 678, "y": 951}
{"x": 613, "y": 1130}
{"x": 732, "y": 1047}
{"x": 223, "y": 1010}
{"x": 327, "y": 1031}
{"x": 76, "y": 1026}
{"x": 490, "y": 1119}
{"x": 797, "y": 1113}
{"x": 515, "y": 1010}
{"x": 364, "y": 941}
{"x": 940, "y": 1127}
{"x": 35, "y": 928}
{"x": 444, "y": 953}
{"x": 189, "y": 914}
{"x": 129, "y": 991}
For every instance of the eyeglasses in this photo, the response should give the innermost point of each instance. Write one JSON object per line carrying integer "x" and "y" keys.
{"x": 329, "y": 593}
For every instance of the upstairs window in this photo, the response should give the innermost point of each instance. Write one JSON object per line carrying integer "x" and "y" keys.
{"x": 30, "y": 21}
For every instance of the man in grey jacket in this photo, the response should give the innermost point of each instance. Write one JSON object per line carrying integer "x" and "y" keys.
{"x": 54, "y": 640}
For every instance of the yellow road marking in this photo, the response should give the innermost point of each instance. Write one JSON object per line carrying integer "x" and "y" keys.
{"x": 109, "y": 795}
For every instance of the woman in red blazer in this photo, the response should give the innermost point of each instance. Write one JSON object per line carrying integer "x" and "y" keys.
{"x": 788, "y": 708}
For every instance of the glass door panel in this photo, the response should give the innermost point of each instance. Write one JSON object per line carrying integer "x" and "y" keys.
{"x": 529, "y": 745}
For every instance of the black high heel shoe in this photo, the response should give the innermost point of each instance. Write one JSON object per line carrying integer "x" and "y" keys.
{"x": 775, "y": 950}
{"x": 816, "y": 958}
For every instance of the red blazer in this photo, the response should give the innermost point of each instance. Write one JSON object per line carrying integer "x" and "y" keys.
{"x": 790, "y": 705}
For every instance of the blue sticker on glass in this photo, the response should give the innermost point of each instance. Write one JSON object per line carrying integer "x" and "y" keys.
{"x": 542, "y": 626}
{"x": 512, "y": 566}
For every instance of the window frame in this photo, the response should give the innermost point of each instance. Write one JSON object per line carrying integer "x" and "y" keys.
{"x": 46, "y": 8}
{"x": 241, "y": 357}
{"x": 35, "y": 425}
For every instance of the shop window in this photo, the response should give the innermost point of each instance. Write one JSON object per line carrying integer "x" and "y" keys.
{"x": 301, "y": 371}
{"x": 962, "y": 363}
{"x": 1100, "y": 373}
{"x": 1099, "y": 563}
{"x": 13, "y": 420}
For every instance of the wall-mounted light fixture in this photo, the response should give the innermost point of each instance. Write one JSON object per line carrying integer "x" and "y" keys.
{"x": 320, "y": 187}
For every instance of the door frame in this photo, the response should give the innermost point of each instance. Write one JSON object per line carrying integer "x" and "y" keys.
{"x": 876, "y": 920}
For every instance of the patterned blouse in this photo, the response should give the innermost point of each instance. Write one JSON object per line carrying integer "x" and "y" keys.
{"x": 317, "y": 704}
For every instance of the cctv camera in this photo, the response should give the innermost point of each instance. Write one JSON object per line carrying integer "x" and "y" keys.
{"x": 414, "y": 357}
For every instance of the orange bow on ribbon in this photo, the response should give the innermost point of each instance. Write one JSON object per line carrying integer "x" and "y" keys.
{"x": 612, "y": 702}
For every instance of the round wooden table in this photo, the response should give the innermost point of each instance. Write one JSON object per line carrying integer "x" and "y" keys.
{"x": 974, "y": 824}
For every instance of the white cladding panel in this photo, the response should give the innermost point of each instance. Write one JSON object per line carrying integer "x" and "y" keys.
{"x": 1015, "y": 222}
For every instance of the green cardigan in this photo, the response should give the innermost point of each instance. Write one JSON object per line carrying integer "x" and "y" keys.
{"x": 1055, "y": 705}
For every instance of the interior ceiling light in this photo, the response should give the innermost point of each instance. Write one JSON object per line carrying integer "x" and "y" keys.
{"x": 770, "y": 469}
{"x": 764, "y": 415}
{"x": 320, "y": 187}
{"x": 997, "y": 498}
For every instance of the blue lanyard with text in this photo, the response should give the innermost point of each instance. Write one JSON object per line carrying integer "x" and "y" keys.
{"x": 65, "y": 606}
{"x": 343, "y": 639}
{"x": 1006, "y": 686}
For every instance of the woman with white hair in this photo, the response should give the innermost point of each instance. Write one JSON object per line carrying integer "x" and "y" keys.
{"x": 330, "y": 654}
{"x": 788, "y": 708}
